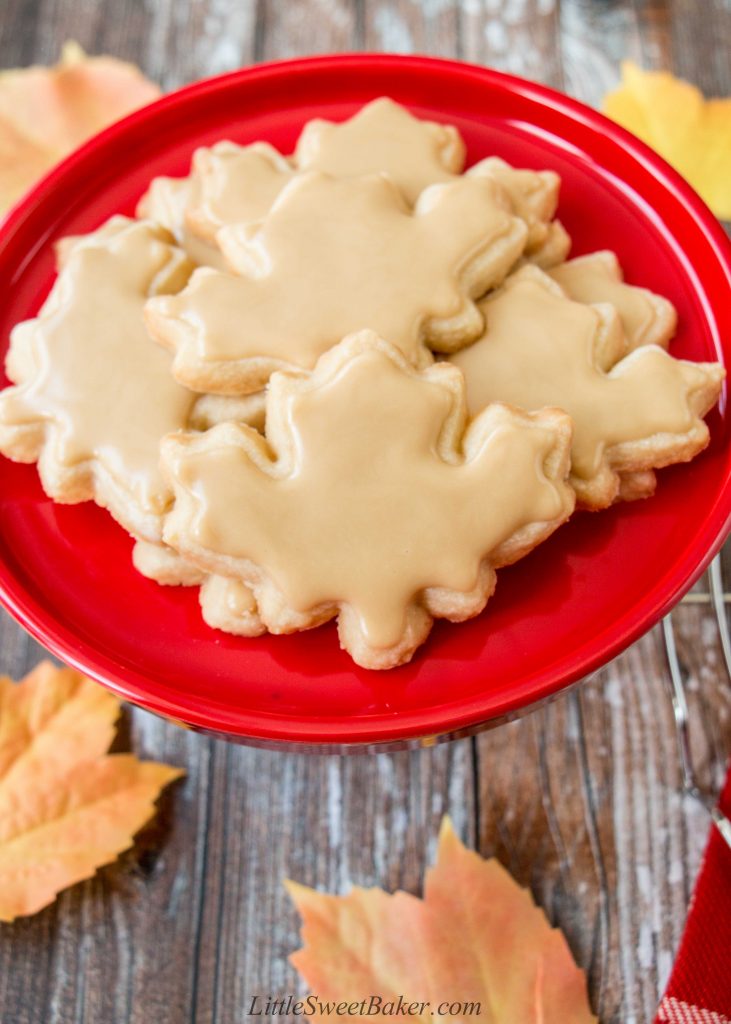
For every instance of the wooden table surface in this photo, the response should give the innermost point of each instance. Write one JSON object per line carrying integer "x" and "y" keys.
{"x": 581, "y": 799}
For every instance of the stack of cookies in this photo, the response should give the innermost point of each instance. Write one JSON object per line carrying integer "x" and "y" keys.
{"x": 350, "y": 382}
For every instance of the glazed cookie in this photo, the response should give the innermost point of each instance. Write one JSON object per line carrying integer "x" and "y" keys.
{"x": 648, "y": 319}
{"x": 553, "y": 250}
{"x": 533, "y": 194}
{"x": 93, "y": 394}
{"x": 419, "y": 511}
{"x": 234, "y": 185}
{"x": 331, "y": 257}
{"x": 383, "y": 137}
{"x": 166, "y": 202}
{"x": 633, "y": 411}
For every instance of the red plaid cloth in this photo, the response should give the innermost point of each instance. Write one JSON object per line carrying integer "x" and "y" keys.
{"x": 699, "y": 990}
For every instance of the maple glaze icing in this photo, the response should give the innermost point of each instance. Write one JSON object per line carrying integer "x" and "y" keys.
{"x": 598, "y": 278}
{"x": 98, "y": 378}
{"x": 540, "y": 349}
{"x": 533, "y": 194}
{"x": 234, "y": 184}
{"x": 383, "y": 137}
{"x": 334, "y": 256}
{"x": 363, "y": 509}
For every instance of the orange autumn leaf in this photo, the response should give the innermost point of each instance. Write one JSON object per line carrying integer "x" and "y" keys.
{"x": 47, "y": 112}
{"x": 475, "y": 938}
{"x": 691, "y": 133}
{"x": 66, "y": 807}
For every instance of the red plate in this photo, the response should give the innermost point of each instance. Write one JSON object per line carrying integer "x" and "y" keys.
{"x": 597, "y": 585}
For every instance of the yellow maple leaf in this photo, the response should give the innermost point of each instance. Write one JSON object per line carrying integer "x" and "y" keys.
{"x": 66, "y": 807}
{"x": 47, "y": 112}
{"x": 475, "y": 938}
{"x": 691, "y": 133}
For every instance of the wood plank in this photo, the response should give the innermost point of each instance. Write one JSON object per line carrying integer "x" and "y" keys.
{"x": 518, "y": 36}
{"x": 582, "y": 802}
{"x": 700, "y": 38}
{"x": 404, "y": 26}
{"x": 308, "y": 26}
{"x": 595, "y": 38}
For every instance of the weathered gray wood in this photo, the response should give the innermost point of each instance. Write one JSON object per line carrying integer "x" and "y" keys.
{"x": 519, "y": 36}
{"x": 580, "y": 800}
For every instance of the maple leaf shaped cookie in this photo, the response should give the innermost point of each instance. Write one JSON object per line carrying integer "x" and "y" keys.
{"x": 369, "y": 499}
{"x": 533, "y": 194}
{"x": 632, "y": 412}
{"x": 383, "y": 137}
{"x": 233, "y": 185}
{"x": 334, "y": 256}
{"x": 647, "y": 318}
{"x": 93, "y": 394}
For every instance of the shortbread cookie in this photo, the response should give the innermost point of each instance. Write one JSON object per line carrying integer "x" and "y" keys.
{"x": 648, "y": 319}
{"x": 533, "y": 194}
{"x": 229, "y": 605}
{"x": 334, "y": 256}
{"x": 369, "y": 499}
{"x": 553, "y": 250}
{"x": 94, "y": 394}
{"x": 210, "y": 410}
{"x": 158, "y": 562}
{"x": 632, "y": 412}
{"x": 634, "y": 486}
{"x": 166, "y": 202}
{"x": 383, "y": 137}
{"x": 234, "y": 185}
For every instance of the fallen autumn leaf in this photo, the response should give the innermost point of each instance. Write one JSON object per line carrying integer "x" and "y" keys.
{"x": 66, "y": 807}
{"x": 691, "y": 133}
{"x": 475, "y": 938}
{"x": 47, "y": 112}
